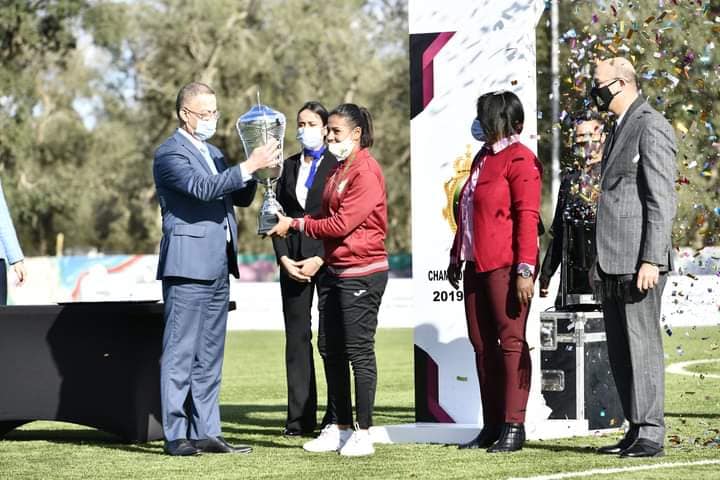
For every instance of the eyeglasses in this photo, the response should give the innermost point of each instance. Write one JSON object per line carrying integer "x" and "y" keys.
{"x": 207, "y": 115}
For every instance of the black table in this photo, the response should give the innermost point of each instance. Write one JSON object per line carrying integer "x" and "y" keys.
{"x": 94, "y": 364}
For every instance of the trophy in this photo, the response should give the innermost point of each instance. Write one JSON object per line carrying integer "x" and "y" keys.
{"x": 256, "y": 128}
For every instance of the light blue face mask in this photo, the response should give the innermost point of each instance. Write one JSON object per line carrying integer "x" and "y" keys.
{"x": 477, "y": 131}
{"x": 205, "y": 129}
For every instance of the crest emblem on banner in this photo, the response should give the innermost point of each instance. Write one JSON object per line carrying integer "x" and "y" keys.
{"x": 461, "y": 170}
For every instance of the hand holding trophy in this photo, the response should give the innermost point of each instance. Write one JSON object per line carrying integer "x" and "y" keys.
{"x": 264, "y": 156}
{"x": 262, "y": 131}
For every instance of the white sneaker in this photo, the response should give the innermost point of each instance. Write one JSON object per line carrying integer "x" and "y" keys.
{"x": 359, "y": 444}
{"x": 331, "y": 439}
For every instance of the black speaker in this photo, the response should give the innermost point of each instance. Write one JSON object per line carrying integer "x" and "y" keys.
{"x": 578, "y": 256}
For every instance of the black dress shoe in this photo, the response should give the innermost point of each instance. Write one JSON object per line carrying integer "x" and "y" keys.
{"x": 219, "y": 445}
{"x": 512, "y": 439}
{"x": 294, "y": 432}
{"x": 487, "y": 436}
{"x": 180, "y": 448}
{"x": 618, "y": 447}
{"x": 643, "y": 448}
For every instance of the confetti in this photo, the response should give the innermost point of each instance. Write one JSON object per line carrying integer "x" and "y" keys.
{"x": 673, "y": 47}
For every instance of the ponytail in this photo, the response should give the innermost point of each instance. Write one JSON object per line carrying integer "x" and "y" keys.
{"x": 366, "y": 140}
{"x": 357, "y": 117}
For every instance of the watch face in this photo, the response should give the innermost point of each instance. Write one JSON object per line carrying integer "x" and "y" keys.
{"x": 525, "y": 273}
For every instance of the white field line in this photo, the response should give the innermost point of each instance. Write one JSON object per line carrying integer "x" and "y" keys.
{"x": 611, "y": 471}
{"x": 679, "y": 368}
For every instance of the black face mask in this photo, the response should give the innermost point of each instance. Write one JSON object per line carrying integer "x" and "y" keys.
{"x": 603, "y": 96}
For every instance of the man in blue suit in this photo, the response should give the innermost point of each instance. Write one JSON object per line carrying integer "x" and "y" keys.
{"x": 10, "y": 252}
{"x": 197, "y": 190}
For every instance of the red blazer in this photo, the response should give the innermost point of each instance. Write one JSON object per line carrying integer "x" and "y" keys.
{"x": 353, "y": 219}
{"x": 506, "y": 209}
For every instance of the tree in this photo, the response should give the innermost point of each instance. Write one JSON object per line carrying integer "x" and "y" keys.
{"x": 289, "y": 52}
{"x": 89, "y": 91}
{"x": 672, "y": 45}
{"x": 42, "y": 141}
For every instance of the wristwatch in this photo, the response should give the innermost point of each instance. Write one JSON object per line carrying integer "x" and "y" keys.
{"x": 525, "y": 270}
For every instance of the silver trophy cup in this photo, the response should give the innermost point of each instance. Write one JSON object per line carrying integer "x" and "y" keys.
{"x": 256, "y": 128}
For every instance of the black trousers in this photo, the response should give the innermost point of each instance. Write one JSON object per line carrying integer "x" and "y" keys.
{"x": 348, "y": 321}
{"x": 299, "y": 364}
{"x": 3, "y": 282}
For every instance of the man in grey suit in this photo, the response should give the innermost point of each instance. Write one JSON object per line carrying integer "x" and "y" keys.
{"x": 634, "y": 222}
{"x": 197, "y": 191}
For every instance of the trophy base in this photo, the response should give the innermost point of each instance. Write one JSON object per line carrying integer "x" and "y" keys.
{"x": 266, "y": 223}
{"x": 267, "y": 217}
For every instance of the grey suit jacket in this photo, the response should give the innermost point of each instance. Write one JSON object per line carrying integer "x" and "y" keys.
{"x": 638, "y": 200}
{"x": 197, "y": 208}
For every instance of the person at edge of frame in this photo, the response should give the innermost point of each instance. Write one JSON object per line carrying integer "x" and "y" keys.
{"x": 10, "y": 252}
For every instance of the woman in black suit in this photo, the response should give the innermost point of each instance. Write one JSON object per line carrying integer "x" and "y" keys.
{"x": 299, "y": 191}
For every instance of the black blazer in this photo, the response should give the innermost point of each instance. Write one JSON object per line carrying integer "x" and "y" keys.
{"x": 553, "y": 254}
{"x": 297, "y": 245}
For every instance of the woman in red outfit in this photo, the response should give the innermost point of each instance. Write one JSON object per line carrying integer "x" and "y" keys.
{"x": 352, "y": 224}
{"x": 497, "y": 240}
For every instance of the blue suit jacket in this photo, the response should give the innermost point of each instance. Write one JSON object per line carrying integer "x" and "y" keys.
{"x": 9, "y": 246}
{"x": 195, "y": 205}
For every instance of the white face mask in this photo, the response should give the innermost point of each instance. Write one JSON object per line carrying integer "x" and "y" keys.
{"x": 205, "y": 129}
{"x": 343, "y": 149}
{"x": 311, "y": 138}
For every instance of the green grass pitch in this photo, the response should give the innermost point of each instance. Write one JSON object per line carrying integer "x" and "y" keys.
{"x": 253, "y": 412}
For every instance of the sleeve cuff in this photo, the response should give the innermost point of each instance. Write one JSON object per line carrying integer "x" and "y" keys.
{"x": 525, "y": 266}
{"x": 14, "y": 257}
{"x": 246, "y": 177}
{"x": 298, "y": 224}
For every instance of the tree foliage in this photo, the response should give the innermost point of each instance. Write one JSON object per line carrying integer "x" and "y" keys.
{"x": 80, "y": 160}
{"x": 87, "y": 92}
{"x": 672, "y": 45}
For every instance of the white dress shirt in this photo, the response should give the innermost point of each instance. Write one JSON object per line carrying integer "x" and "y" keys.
{"x": 301, "y": 191}
{"x": 205, "y": 152}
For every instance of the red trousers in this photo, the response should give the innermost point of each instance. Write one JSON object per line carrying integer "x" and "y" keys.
{"x": 496, "y": 325}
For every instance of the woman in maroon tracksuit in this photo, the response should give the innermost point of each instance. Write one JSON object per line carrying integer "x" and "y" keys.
{"x": 497, "y": 239}
{"x": 353, "y": 226}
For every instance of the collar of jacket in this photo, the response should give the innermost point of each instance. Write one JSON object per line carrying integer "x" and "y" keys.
{"x": 360, "y": 156}
{"x": 504, "y": 143}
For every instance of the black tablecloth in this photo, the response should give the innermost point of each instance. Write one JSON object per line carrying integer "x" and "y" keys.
{"x": 95, "y": 364}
